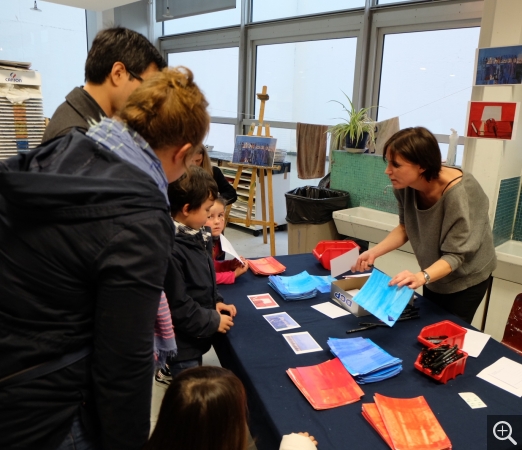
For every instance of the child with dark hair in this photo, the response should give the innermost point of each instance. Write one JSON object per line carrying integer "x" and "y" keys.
{"x": 197, "y": 309}
{"x": 205, "y": 408}
{"x": 226, "y": 271}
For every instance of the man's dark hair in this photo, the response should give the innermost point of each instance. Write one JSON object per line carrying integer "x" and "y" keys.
{"x": 193, "y": 189}
{"x": 120, "y": 45}
{"x": 418, "y": 146}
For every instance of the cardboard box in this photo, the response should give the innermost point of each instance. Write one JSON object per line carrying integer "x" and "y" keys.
{"x": 339, "y": 294}
{"x": 302, "y": 238}
{"x": 345, "y": 300}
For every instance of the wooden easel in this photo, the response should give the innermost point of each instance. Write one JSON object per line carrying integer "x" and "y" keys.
{"x": 258, "y": 171}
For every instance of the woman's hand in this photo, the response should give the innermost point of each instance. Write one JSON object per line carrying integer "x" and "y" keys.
{"x": 364, "y": 262}
{"x": 407, "y": 278}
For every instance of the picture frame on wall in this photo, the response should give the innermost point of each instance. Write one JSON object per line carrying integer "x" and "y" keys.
{"x": 254, "y": 150}
{"x": 498, "y": 66}
{"x": 492, "y": 120}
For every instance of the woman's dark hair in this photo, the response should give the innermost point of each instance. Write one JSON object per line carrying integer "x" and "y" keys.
{"x": 194, "y": 188}
{"x": 418, "y": 146}
{"x": 204, "y": 408}
{"x": 120, "y": 44}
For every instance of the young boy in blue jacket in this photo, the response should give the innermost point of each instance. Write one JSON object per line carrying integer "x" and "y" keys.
{"x": 197, "y": 309}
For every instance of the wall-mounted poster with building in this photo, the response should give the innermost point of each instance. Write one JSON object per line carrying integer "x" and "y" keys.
{"x": 498, "y": 66}
{"x": 254, "y": 150}
{"x": 492, "y": 120}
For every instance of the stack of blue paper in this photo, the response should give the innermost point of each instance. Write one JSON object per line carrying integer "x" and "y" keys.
{"x": 365, "y": 361}
{"x": 301, "y": 286}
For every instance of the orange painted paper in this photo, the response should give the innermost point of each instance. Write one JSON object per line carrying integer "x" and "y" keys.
{"x": 266, "y": 266}
{"x": 411, "y": 424}
{"x": 371, "y": 413}
{"x": 326, "y": 385}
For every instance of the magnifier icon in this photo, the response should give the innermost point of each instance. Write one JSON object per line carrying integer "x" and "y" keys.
{"x": 504, "y": 428}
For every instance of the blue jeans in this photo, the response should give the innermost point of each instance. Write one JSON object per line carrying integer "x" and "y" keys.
{"x": 77, "y": 438}
{"x": 179, "y": 366}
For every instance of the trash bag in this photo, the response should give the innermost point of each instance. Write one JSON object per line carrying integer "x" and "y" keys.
{"x": 325, "y": 181}
{"x": 314, "y": 205}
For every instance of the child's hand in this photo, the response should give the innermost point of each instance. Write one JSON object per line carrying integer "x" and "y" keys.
{"x": 240, "y": 270}
{"x": 225, "y": 323}
{"x": 310, "y": 437}
{"x": 230, "y": 309}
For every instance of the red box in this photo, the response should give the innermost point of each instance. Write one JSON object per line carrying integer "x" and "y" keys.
{"x": 454, "y": 332}
{"x": 325, "y": 251}
{"x": 450, "y": 371}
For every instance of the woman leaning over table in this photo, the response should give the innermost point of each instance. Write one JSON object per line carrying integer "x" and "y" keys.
{"x": 443, "y": 212}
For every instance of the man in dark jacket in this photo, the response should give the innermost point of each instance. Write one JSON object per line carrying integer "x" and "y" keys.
{"x": 85, "y": 239}
{"x": 118, "y": 61}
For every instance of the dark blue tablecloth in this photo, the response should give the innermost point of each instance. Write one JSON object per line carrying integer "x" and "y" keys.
{"x": 260, "y": 356}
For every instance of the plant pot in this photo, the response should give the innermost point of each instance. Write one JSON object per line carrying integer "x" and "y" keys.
{"x": 360, "y": 144}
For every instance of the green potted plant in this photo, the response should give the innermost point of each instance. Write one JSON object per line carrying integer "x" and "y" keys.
{"x": 354, "y": 131}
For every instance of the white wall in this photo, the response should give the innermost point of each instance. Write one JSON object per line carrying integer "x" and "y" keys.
{"x": 53, "y": 40}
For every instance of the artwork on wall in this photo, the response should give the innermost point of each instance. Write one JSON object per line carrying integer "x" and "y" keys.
{"x": 498, "y": 66}
{"x": 492, "y": 120}
{"x": 254, "y": 150}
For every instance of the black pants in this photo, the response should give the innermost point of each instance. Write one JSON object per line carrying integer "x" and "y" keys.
{"x": 463, "y": 304}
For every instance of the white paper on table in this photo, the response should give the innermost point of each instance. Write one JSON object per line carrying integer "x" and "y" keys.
{"x": 330, "y": 310}
{"x": 474, "y": 342}
{"x": 505, "y": 374}
{"x": 344, "y": 262}
{"x": 473, "y": 400}
{"x": 227, "y": 247}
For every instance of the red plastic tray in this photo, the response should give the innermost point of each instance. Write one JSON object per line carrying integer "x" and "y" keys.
{"x": 454, "y": 332}
{"x": 325, "y": 251}
{"x": 450, "y": 371}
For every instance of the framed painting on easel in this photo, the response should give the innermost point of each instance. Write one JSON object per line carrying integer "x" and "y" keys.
{"x": 254, "y": 150}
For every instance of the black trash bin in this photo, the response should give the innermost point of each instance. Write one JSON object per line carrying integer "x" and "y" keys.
{"x": 313, "y": 204}
{"x": 309, "y": 215}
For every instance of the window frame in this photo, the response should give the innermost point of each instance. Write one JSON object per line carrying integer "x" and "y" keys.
{"x": 369, "y": 25}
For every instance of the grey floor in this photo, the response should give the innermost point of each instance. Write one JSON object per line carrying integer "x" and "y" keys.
{"x": 248, "y": 246}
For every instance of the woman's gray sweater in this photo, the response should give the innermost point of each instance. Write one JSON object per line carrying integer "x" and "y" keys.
{"x": 455, "y": 229}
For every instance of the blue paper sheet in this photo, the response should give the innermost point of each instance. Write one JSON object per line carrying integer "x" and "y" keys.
{"x": 323, "y": 283}
{"x": 297, "y": 287}
{"x": 365, "y": 360}
{"x": 384, "y": 302}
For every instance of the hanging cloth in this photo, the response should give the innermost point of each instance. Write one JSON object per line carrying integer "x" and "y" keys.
{"x": 311, "y": 150}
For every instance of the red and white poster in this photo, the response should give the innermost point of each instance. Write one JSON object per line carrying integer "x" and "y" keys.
{"x": 492, "y": 120}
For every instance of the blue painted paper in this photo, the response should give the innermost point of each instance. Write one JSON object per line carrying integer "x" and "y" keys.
{"x": 323, "y": 283}
{"x": 366, "y": 361}
{"x": 384, "y": 302}
{"x": 296, "y": 287}
{"x": 301, "y": 286}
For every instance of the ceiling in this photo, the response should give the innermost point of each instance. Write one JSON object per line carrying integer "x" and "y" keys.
{"x": 92, "y": 5}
